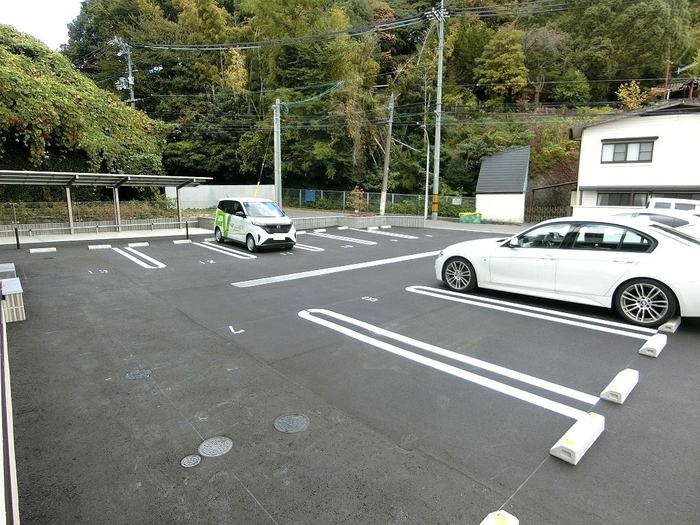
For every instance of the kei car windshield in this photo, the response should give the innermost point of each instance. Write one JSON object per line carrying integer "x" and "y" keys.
{"x": 263, "y": 209}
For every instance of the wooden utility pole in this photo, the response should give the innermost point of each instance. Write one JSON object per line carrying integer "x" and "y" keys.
{"x": 666, "y": 82}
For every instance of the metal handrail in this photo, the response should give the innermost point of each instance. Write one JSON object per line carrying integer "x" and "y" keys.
{"x": 9, "y": 504}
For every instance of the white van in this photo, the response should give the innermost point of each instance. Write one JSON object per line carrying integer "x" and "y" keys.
{"x": 257, "y": 223}
{"x": 659, "y": 203}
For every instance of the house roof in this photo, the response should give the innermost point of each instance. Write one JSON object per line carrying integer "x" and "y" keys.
{"x": 683, "y": 105}
{"x": 505, "y": 172}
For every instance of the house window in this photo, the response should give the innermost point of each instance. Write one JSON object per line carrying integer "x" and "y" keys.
{"x": 622, "y": 199}
{"x": 634, "y": 150}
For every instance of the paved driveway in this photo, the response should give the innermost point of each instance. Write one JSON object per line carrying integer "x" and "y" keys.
{"x": 343, "y": 385}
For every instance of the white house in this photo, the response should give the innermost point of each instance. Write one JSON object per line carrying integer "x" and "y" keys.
{"x": 629, "y": 158}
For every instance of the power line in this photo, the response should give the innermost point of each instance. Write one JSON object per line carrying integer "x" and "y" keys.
{"x": 526, "y": 7}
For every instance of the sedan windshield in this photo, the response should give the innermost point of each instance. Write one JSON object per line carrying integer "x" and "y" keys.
{"x": 263, "y": 209}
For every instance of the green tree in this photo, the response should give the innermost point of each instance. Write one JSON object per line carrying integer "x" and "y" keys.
{"x": 464, "y": 44}
{"x": 572, "y": 87}
{"x": 322, "y": 133}
{"x": 695, "y": 70}
{"x": 631, "y": 95}
{"x": 469, "y": 144}
{"x": 51, "y": 115}
{"x": 501, "y": 67}
{"x": 545, "y": 49}
{"x": 625, "y": 39}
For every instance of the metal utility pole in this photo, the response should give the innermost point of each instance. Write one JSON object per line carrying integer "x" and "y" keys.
{"x": 128, "y": 82}
{"x": 387, "y": 157}
{"x": 440, "y": 15}
{"x": 278, "y": 152}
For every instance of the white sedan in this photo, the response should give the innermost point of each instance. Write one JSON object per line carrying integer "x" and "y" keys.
{"x": 647, "y": 272}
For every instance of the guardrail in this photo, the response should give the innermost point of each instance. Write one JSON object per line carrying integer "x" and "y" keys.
{"x": 9, "y": 505}
{"x": 92, "y": 227}
{"x": 97, "y": 228}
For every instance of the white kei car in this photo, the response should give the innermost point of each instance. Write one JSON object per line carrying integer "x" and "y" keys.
{"x": 255, "y": 222}
{"x": 647, "y": 272}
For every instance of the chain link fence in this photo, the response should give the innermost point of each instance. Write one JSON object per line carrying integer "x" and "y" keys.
{"x": 44, "y": 212}
{"x": 327, "y": 200}
{"x": 358, "y": 201}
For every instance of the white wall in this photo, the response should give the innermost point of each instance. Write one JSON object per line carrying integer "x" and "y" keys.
{"x": 206, "y": 196}
{"x": 675, "y": 153}
{"x": 501, "y": 207}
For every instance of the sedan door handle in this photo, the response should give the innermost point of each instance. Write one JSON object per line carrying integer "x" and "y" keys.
{"x": 624, "y": 260}
{"x": 549, "y": 257}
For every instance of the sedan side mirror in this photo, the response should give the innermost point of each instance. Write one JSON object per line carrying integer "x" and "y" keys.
{"x": 513, "y": 243}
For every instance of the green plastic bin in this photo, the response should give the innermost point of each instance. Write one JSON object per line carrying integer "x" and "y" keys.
{"x": 470, "y": 217}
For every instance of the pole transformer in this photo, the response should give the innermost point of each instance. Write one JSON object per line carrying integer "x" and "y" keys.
{"x": 128, "y": 81}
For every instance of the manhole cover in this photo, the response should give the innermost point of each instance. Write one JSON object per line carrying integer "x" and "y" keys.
{"x": 291, "y": 423}
{"x": 191, "y": 461}
{"x": 139, "y": 373}
{"x": 216, "y": 446}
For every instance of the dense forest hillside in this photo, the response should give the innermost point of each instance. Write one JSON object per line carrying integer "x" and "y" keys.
{"x": 513, "y": 74}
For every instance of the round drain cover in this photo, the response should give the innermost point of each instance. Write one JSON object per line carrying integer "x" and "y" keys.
{"x": 139, "y": 373}
{"x": 191, "y": 461}
{"x": 291, "y": 423}
{"x": 216, "y": 446}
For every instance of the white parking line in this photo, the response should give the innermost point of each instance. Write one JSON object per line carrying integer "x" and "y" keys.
{"x": 341, "y": 238}
{"x": 309, "y": 248}
{"x": 388, "y": 234}
{"x": 591, "y": 323}
{"x": 146, "y": 257}
{"x": 158, "y": 264}
{"x": 326, "y": 271}
{"x": 226, "y": 251}
{"x": 523, "y": 395}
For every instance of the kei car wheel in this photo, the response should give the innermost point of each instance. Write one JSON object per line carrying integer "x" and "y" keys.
{"x": 218, "y": 235}
{"x": 250, "y": 243}
{"x": 645, "y": 302}
{"x": 459, "y": 275}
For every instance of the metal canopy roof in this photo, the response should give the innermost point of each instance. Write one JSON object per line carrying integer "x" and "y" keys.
{"x": 110, "y": 180}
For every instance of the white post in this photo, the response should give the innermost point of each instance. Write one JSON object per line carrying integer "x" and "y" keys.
{"x": 387, "y": 158}
{"x": 427, "y": 170}
{"x": 278, "y": 153}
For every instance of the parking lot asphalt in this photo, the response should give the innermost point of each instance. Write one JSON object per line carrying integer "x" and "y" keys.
{"x": 324, "y": 385}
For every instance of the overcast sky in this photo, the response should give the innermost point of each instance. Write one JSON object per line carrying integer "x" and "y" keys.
{"x": 46, "y": 20}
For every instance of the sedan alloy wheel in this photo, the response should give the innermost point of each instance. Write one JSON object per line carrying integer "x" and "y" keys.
{"x": 459, "y": 275}
{"x": 645, "y": 302}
